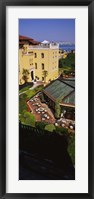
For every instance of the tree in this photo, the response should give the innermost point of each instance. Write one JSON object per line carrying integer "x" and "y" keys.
{"x": 57, "y": 108}
{"x": 25, "y": 74}
{"x": 45, "y": 73}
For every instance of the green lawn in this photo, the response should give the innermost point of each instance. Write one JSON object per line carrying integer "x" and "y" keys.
{"x": 25, "y": 89}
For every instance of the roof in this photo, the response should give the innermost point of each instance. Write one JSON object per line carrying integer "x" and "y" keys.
{"x": 70, "y": 82}
{"x": 24, "y": 38}
{"x": 70, "y": 99}
{"x": 30, "y": 40}
{"x": 59, "y": 90}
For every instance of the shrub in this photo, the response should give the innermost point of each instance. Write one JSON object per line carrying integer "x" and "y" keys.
{"x": 50, "y": 127}
{"x": 40, "y": 125}
{"x": 29, "y": 119}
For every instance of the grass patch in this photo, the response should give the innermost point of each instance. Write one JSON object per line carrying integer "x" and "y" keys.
{"x": 39, "y": 88}
{"x": 24, "y": 89}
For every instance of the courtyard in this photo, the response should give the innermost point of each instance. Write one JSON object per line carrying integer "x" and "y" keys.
{"x": 40, "y": 110}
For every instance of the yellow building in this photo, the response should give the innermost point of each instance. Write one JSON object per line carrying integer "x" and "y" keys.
{"x": 40, "y": 60}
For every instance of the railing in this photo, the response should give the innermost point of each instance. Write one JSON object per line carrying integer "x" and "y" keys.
{"x": 50, "y": 45}
{"x": 35, "y": 130}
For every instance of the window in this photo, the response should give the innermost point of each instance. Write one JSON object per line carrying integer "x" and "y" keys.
{"x": 35, "y": 65}
{"x": 35, "y": 55}
{"x": 42, "y": 66}
{"x": 42, "y": 78}
{"x": 42, "y": 55}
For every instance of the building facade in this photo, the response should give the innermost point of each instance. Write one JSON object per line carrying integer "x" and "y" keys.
{"x": 40, "y": 60}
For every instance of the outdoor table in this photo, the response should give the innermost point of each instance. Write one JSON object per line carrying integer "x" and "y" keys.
{"x": 41, "y": 109}
{"x": 45, "y": 115}
{"x": 43, "y": 118}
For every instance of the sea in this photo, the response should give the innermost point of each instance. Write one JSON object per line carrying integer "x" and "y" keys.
{"x": 67, "y": 47}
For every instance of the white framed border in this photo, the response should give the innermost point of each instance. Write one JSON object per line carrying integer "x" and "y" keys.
{"x": 80, "y": 184}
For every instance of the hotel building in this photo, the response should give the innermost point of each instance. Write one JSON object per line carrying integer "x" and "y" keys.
{"x": 40, "y": 59}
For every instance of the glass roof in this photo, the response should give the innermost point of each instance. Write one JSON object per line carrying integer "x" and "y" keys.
{"x": 70, "y": 82}
{"x": 58, "y": 89}
{"x": 70, "y": 99}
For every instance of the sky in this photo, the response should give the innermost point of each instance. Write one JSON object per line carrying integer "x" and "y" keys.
{"x": 48, "y": 29}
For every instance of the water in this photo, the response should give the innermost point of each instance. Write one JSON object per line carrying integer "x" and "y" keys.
{"x": 67, "y": 47}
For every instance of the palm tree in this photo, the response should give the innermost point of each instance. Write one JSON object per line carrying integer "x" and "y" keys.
{"x": 45, "y": 73}
{"x": 25, "y": 74}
